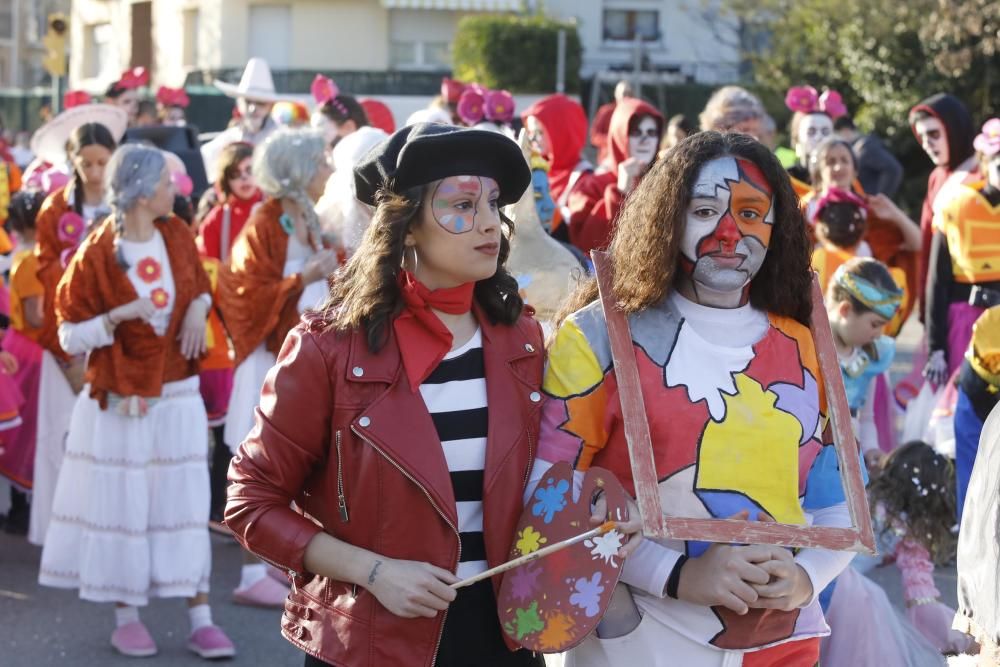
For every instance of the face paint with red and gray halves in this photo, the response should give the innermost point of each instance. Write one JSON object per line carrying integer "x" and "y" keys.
{"x": 728, "y": 225}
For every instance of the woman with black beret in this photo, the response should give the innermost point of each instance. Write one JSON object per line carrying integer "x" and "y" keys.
{"x": 402, "y": 419}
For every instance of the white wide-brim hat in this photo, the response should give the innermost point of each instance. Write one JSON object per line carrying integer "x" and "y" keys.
{"x": 255, "y": 84}
{"x": 49, "y": 142}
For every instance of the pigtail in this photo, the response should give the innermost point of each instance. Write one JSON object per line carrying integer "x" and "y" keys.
{"x": 119, "y": 218}
{"x": 308, "y": 209}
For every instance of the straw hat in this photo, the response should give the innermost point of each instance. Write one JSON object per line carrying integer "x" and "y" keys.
{"x": 49, "y": 142}
{"x": 255, "y": 84}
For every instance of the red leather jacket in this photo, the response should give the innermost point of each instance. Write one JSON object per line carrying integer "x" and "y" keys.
{"x": 340, "y": 432}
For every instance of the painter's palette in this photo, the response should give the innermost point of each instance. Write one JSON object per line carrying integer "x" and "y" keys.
{"x": 551, "y": 604}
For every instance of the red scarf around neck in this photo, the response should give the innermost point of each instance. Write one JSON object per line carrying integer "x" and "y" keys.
{"x": 423, "y": 338}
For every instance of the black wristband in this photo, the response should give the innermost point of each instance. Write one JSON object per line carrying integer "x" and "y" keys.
{"x": 675, "y": 577}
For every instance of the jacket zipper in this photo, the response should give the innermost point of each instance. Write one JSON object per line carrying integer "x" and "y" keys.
{"x": 436, "y": 508}
{"x": 292, "y": 573}
{"x": 341, "y": 498}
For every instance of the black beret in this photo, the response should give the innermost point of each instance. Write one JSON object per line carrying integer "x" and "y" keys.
{"x": 426, "y": 152}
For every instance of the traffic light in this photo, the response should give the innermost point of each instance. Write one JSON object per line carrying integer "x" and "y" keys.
{"x": 54, "y": 41}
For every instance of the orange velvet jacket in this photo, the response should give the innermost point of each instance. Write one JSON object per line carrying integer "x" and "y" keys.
{"x": 258, "y": 303}
{"x": 48, "y": 249}
{"x": 138, "y": 362}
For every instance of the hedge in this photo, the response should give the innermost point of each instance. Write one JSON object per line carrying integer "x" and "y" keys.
{"x": 516, "y": 53}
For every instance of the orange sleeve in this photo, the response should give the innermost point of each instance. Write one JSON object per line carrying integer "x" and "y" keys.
{"x": 24, "y": 278}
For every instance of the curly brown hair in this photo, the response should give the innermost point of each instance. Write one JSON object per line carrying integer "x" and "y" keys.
{"x": 646, "y": 245}
{"x": 916, "y": 487}
{"x": 365, "y": 292}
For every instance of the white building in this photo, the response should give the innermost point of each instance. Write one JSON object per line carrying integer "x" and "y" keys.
{"x": 174, "y": 37}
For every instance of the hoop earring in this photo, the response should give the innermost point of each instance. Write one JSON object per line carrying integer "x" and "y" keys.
{"x": 415, "y": 261}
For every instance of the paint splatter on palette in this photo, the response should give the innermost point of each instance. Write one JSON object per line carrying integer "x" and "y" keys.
{"x": 552, "y": 604}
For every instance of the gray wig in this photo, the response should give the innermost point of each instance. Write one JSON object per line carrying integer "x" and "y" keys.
{"x": 285, "y": 164}
{"x": 133, "y": 173}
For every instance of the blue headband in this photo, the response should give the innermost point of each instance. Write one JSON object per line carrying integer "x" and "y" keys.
{"x": 882, "y": 301}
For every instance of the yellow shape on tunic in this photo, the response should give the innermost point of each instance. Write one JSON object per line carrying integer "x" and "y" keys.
{"x": 573, "y": 367}
{"x": 754, "y": 451}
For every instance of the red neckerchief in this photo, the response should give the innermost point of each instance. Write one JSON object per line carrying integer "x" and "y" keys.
{"x": 423, "y": 338}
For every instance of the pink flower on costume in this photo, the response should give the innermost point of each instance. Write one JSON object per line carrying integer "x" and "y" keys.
{"x": 802, "y": 98}
{"x": 159, "y": 297}
{"x": 470, "y": 107}
{"x": 323, "y": 89}
{"x": 149, "y": 270}
{"x": 70, "y": 227}
{"x": 831, "y": 102}
{"x": 988, "y": 141}
{"x": 498, "y": 106}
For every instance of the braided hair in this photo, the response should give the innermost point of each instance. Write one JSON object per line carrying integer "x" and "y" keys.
{"x": 88, "y": 134}
{"x": 133, "y": 174}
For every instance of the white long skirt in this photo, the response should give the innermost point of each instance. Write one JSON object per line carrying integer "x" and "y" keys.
{"x": 130, "y": 516}
{"x": 248, "y": 379}
{"x": 55, "y": 407}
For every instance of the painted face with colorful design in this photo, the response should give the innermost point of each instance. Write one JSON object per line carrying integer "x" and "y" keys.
{"x": 544, "y": 204}
{"x": 728, "y": 225}
{"x": 457, "y": 239}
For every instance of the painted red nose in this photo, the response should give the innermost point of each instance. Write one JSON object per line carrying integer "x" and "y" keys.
{"x": 727, "y": 233}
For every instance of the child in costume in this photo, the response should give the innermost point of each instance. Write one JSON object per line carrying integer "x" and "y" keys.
{"x": 130, "y": 515}
{"x": 964, "y": 269}
{"x": 711, "y": 267}
{"x": 239, "y": 194}
{"x": 913, "y": 509}
{"x": 861, "y": 299}
{"x": 21, "y": 341}
{"x": 913, "y": 500}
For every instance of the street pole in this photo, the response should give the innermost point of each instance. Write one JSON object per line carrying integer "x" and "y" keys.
{"x": 561, "y": 62}
{"x": 56, "y": 99}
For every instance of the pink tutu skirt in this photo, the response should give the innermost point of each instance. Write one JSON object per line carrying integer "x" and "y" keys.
{"x": 18, "y": 460}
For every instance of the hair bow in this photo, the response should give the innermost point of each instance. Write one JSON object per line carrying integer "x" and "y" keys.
{"x": 805, "y": 99}
{"x": 498, "y": 106}
{"x": 988, "y": 141}
{"x": 323, "y": 89}
{"x": 74, "y": 98}
{"x": 470, "y": 107}
{"x": 172, "y": 97}
{"x": 838, "y": 196}
{"x": 137, "y": 77}
{"x": 451, "y": 90}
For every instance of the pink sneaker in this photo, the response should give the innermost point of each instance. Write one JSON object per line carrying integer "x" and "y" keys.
{"x": 134, "y": 640}
{"x": 211, "y": 642}
{"x": 265, "y": 593}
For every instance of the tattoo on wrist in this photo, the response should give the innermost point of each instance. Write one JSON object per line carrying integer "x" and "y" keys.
{"x": 371, "y": 575}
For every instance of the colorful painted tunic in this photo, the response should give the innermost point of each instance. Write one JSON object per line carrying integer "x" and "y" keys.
{"x": 733, "y": 427}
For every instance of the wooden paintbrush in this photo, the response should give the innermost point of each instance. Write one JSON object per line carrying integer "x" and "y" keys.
{"x": 535, "y": 555}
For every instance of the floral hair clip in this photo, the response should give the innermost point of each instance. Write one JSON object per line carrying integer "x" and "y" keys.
{"x": 325, "y": 91}
{"x": 75, "y": 98}
{"x": 498, "y": 106}
{"x": 838, "y": 196}
{"x": 988, "y": 141}
{"x": 470, "y": 107}
{"x": 172, "y": 97}
{"x": 805, "y": 99}
{"x": 137, "y": 77}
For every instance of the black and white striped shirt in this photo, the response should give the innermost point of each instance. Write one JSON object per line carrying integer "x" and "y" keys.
{"x": 455, "y": 396}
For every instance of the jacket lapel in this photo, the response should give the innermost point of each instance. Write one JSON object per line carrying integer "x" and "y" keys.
{"x": 398, "y": 424}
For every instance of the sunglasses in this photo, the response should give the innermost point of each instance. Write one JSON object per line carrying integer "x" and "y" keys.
{"x": 652, "y": 133}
